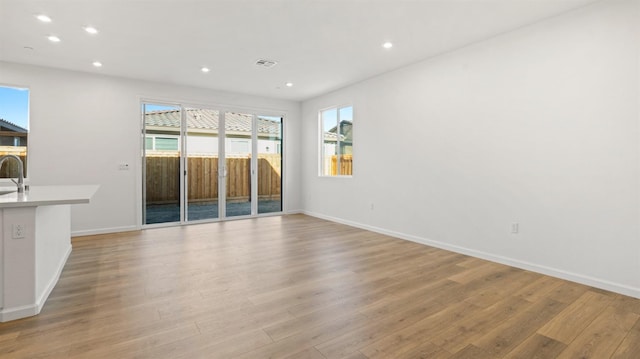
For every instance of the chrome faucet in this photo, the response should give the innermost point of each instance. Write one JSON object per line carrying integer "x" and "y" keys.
{"x": 20, "y": 182}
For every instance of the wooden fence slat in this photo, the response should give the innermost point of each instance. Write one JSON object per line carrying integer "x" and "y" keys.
{"x": 163, "y": 178}
{"x": 346, "y": 165}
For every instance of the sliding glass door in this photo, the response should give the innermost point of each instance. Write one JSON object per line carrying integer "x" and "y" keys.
{"x": 238, "y": 131}
{"x": 162, "y": 162}
{"x": 201, "y": 181}
{"x": 269, "y": 166}
{"x": 204, "y": 164}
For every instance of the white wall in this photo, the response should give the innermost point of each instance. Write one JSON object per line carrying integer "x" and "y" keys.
{"x": 538, "y": 126}
{"x": 82, "y": 125}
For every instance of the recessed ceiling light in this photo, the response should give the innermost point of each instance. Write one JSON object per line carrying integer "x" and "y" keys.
{"x": 289, "y": 84}
{"x": 387, "y": 45}
{"x": 90, "y": 29}
{"x": 205, "y": 69}
{"x": 53, "y": 38}
{"x": 97, "y": 64}
{"x": 43, "y": 18}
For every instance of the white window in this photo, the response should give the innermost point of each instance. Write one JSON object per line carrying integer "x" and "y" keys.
{"x": 14, "y": 128}
{"x": 336, "y": 141}
{"x": 161, "y": 143}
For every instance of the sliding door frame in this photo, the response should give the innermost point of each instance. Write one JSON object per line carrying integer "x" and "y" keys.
{"x": 254, "y": 166}
{"x": 222, "y": 168}
{"x": 143, "y": 158}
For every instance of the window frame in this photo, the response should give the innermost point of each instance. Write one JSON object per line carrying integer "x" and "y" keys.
{"x": 321, "y": 159}
{"x": 154, "y": 136}
{"x": 8, "y": 181}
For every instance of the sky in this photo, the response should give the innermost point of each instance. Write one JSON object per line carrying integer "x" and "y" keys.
{"x": 14, "y": 106}
{"x": 151, "y": 107}
{"x": 330, "y": 117}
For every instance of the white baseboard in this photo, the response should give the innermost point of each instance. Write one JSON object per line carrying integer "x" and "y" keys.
{"x": 9, "y": 314}
{"x": 554, "y": 272}
{"x": 105, "y": 231}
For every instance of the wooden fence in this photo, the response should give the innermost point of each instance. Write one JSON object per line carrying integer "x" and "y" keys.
{"x": 10, "y": 167}
{"x": 346, "y": 165}
{"x": 163, "y": 180}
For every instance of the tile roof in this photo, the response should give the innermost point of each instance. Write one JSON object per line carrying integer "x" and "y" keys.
{"x": 208, "y": 120}
{"x": 10, "y": 126}
{"x": 346, "y": 131}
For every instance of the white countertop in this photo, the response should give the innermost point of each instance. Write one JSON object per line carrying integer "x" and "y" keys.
{"x": 47, "y": 196}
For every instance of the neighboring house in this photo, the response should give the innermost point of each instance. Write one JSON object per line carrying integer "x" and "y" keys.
{"x": 13, "y": 141}
{"x": 163, "y": 132}
{"x": 330, "y": 143}
{"x": 12, "y": 134}
{"x": 346, "y": 138}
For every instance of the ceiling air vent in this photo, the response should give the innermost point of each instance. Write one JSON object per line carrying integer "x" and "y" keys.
{"x": 266, "y": 63}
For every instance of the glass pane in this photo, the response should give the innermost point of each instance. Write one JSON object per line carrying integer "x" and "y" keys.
{"x": 162, "y": 167}
{"x": 346, "y": 141}
{"x": 202, "y": 164}
{"x": 238, "y": 130}
{"x": 14, "y": 129}
{"x": 329, "y": 149}
{"x": 148, "y": 143}
{"x": 166, "y": 144}
{"x": 269, "y": 164}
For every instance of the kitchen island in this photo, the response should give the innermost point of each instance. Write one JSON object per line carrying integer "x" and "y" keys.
{"x": 36, "y": 242}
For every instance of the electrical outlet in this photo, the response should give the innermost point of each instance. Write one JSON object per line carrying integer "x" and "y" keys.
{"x": 18, "y": 231}
{"x": 123, "y": 166}
{"x": 515, "y": 227}
{"x": 372, "y": 206}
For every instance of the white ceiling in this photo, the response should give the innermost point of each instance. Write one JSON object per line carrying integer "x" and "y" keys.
{"x": 320, "y": 45}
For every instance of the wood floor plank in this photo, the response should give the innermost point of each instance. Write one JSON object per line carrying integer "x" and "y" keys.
{"x": 567, "y": 325}
{"x": 356, "y": 355}
{"x": 311, "y": 336}
{"x": 625, "y": 303}
{"x": 208, "y": 346}
{"x": 227, "y": 323}
{"x": 351, "y": 300}
{"x": 425, "y": 350}
{"x": 398, "y": 301}
{"x": 300, "y": 287}
{"x": 538, "y": 288}
{"x": 471, "y": 352}
{"x": 537, "y": 347}
{"x": 311, "y": 353}
{"x": 459, "y": 335}
{"x": 481, "y": 271}
{"x": 378, "y": 327}
{"x": 567, "y": 292}
{"x": 414, "y": 335}
{"x": 630, "y": 346}
{"x": 296, "y": 325}
{"x": 603, "y": 336}
{"x": 509, "y": 334}
{"x": 96, "y": 347}
{"x": 500, "y": 288}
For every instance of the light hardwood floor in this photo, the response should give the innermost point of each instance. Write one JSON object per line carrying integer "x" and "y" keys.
{"x": 300, "y": 287}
